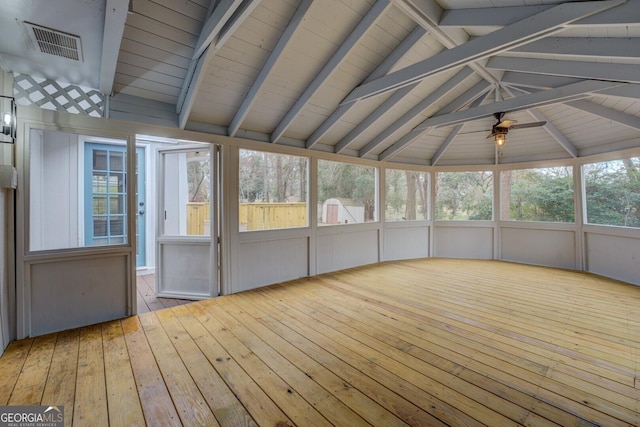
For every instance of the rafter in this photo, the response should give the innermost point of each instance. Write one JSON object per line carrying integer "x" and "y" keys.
{"x": 363, "y": 26}
{"x": 427, "y": 13}
{"x": 535, "y": 81}
{"x": 212, "y": 27}
{"x": 552, "y": 96}
{"x": 584, "y": 47}
{"x": 625, "y": 14}
{"x": 423, "y": 105}
{"x": 488, "y": 16}
{"x": 550, "y": 128}
{"x": 248, "y": 100}
{"x": 625, "y": 119}
{"x": 581, "y": 69}
{"x": 382, "y": 109}
{"x": 446, "y": 143}
{"x": 530, "y": 29}
{"x": 382, "y": 69}
{"x": 195, "y": 73}
{"x": 470, "y": 95}
{"x": 457, "y": 129}
{"x": 114, "y": 19}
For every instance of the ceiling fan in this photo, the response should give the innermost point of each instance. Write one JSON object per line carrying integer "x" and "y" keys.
{"x": 502, "y": 127}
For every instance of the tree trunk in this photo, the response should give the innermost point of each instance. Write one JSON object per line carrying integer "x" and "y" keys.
{"x": 410, "y": 208}
{"x": 505, "y": 194}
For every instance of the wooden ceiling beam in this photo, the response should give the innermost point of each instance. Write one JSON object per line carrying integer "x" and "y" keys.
{"x": 530, "y": 29}
{"x": 250, "y": 97}
{"x": 578, "y": 69}
{"x": 596, "y": 47}
{"x": 552, "y": 96}
{"x": 471, "y": 95}
{"x": 428, "y": 102}
{"x": 195, "y": 73}
{"x": 625, "y": 14}
{"x": 383, "y": 68}
{"x": 620, "y": 117}
{"x": 345, "y": 47}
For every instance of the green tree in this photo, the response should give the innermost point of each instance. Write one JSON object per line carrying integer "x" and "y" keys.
{"x": 613, "y": 192}
{"x": 464, "y": 195}
{"x": 544, "y": 194}
{"x": 348, "y": 181}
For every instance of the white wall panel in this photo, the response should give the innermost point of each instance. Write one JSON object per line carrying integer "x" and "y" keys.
{"x": 4, "y": 284}
{"x": 72, "y": 292}
{"x": 185, "y": 270}
{"x": 263, "y": 263}
{"x": 346, "y": 249}
{"x": 457, "y": 241}
{"x": 613, "y": 256}
{"x": 552, "y": 248}
{"x": 406, "y": 243}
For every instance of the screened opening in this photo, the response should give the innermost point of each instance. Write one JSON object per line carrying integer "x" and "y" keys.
{"x": 273, "y": 191}
{"x": 346, "y": 193}
{"x": 406, "y": 195}
{"x": 612, "y": 192}
{"x": 464, "y": 196}
{"x": 77, "y": 192}
{"x": 541, "y": 194}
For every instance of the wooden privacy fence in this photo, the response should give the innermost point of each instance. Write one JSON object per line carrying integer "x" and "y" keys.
{"x": 198, "y": 223}
{"x": 253, "y": 216}
{"x": 268, "y": 216}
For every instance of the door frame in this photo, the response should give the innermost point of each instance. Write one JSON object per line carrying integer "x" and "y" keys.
{"x": 94, "y": 261}
{"x": 213, "y": 240}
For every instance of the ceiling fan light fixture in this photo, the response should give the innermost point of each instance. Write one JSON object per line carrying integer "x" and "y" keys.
{"x": 500, "y": 139}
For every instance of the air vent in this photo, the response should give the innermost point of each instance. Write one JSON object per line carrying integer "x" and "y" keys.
{"x": 55, "y": 42}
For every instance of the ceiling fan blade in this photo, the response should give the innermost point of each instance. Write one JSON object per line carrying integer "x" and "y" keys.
{"x": 506, "y": 123}
{"x": 529, "y": 125}
{"x": 474, "y": 131}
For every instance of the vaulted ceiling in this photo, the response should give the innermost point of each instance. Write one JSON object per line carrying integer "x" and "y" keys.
{"x": 409, "y": 81}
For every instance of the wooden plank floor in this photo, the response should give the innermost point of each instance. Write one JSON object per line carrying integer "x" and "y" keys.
{"x": 147, "y": 299}
{"x": 426, "y": 342}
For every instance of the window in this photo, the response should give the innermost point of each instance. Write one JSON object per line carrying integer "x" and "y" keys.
{"x": 464, "y": 195}
{"x": 407, "y": 195}
{"x": 542, "y": 194}
{"x": 612, "y": 192}
{"x": 346, "y": 193}
{"x": 77, "y": 191}
{"x": 273, "y": 191}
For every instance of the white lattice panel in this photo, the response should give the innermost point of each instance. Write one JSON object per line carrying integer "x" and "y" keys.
{"x": 52, "y": 95}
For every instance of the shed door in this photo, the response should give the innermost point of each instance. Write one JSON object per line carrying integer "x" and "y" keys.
{"x": 187, "y": 250}
{"x": 332, "y": 214}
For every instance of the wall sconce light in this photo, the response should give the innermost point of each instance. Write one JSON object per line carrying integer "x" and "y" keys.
{"x": 9, "y": 119}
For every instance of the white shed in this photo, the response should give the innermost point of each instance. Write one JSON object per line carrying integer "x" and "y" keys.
{"x": 342, "y": 211}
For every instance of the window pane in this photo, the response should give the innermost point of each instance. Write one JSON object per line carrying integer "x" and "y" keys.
{"x": 116, "y": 161}
{"x": 99, "y": 226}
{"x": 464, "y": 195}
{"x": 346, "y": 193}
{"x": 99, "y": 160}
{"x": 116, "y": 183}
{"x": 187, "y": 192}
{"x": 99, "y": 182}
{"x": 613, "y": 192}
{"x": 75, "y": 201}
{"x": 542, "y": 194}
{"x": 406, "y": 195}
{"x": 273, "y": 191}
{"x": 116, "y": 204}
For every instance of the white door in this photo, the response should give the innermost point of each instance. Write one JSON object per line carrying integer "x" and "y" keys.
{"x": 187, "y": 231}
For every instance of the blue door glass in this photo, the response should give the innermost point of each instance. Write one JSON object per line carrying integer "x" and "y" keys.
{"x": 106, "y": 196}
